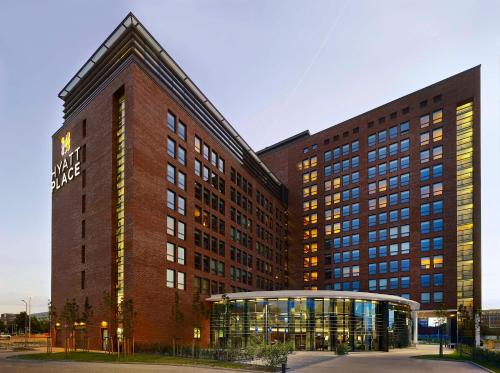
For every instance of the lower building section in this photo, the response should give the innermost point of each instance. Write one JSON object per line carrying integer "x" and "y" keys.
{"x": 312, "y": 320}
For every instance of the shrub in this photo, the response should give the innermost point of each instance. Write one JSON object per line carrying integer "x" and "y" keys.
{"x": 342, "y": 349}
{"x": 275, "y": 354}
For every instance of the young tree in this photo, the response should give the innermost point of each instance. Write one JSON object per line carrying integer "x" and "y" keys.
{"x": 127, "y": 315}
{"x": 442, "y": 315}
{"x": 70, "y": 315}
{"x": 86, "y": 316}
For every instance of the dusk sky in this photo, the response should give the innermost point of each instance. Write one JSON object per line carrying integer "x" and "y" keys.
{"x": 272, "y": 68}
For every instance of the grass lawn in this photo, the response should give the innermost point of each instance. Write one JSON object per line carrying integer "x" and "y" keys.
{"x": 454, "y": 356}
{"x": 137, "y": 358}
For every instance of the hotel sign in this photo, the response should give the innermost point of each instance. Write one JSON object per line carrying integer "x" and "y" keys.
{"x": 68, "y": 167}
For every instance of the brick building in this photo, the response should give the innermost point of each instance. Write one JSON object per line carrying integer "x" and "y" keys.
{"x": 157, "y": 199}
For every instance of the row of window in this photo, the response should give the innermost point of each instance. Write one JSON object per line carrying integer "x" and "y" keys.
{"x": 209, "y": 198}
{"x": 392, "y": 250}
{"x": 176, "y": 253}
{"x": 389, "y": 200}
{"x": 383, "y": 168}
{"x": 434, "y": 190}
{"x": 344, "y": 257}
{"x": 205, "y": 286}
{"x": 345, "y": 241}
{"x": 202, "y": 148}
{"x": 240, "y": 275}
{"x": 176, "y": 177}
{"x": 346, "y": 225}
{"x": 394, "y": 233}
{"x": 176, "y": 151}
{"x": 209, "y": 265}
{"x": 437, "y": 171}
{"x": 427, "y": 262}
{"x": 209, "y": 242}
{"x": 391, "y": 283}
{"x": 176, "y": 202}
{"x": 209, "y": 220}
{"x": 241, "y": 182}
{"x": 345, "y": 286}
{"x": 427, "y": 226}
{"x": 392, "y": 133}
{"x": 342, "y": 272}
{"x": 176, "y": 126}
{"x": 425, "y": 137}
{"x": 391, "y": 150}
{"x": 209, "y": 176}
{"x": 345, "y": 165}
{"x": 176, "y": 228}
{"x": 393, "y": 266}
{"x": 176, "y": 279}
{"x": 436, "y": 153}
{"x": 346, "y": 210}
{"x": 394, "y": 216}
{"x": 344, "y": 150}
{"x": 437, "y": 117}
{"x": 436, "y": 207}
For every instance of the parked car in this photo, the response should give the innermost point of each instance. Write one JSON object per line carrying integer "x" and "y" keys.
{"x": 4, "y": 337}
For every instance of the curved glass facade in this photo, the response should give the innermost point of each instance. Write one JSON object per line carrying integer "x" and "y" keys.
{"x": 312, "y": 323}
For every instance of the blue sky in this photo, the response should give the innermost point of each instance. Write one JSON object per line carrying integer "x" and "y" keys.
{"x": 273, "y": 68}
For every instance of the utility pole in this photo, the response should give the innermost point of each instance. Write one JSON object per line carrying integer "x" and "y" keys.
{"x": 29, "y": 318}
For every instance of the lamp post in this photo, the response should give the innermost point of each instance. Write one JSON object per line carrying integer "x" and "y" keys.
{"x": 26, "y": 315}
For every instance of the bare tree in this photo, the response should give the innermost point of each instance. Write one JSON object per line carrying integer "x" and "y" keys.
{"x": 177, "y": 317}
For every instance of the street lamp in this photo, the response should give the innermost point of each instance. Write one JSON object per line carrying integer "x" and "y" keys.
{"x": 26, "y": 315}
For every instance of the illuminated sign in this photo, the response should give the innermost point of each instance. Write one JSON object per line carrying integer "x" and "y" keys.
{"x": 69, "y": 167}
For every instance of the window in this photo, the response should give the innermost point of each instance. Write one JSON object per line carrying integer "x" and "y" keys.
{"x": 425, "y": 298}
{"x": 181, "y": 255}
{"x": 393, "y": 165}
{"x": 437, "y": 152}
{"x": 355, "y": 146}
{"x": 372, "y": 252}
{"x": 181, "y": 155}
{"x": 382, "y": 153}
{"x": 393, "y": 217}
{"x": 424, "y": 121}
{"x": 372, "y": 285}
{"x": 438, "y": 261}
{"x": 424, "y": 156}
{"x": 181, "y": 280}
{"x": 372, "y": 139}
{"x": 171, "y": 147}
{"x": 425, "y": 281}
{"x": 382, "y": 284}
{"x": 438, "y": 279}
{"x": 382, "y": 136}
{"x": 393, "y": 149}
{"x": 425, "y": 244}
{"x": 425, "y": 191}
{"x": 393, "y": 132}
{"x": 393, "y": 266}
{"x": 170, "y": 200}
{"x": 171, "y": 173}
{"x": 405, "y": 282}
{"x": 181, "y": 205}
{"x": 182, "y": 131}
{"x": 197, "y": 144}
{"x": 437, "y": 134}
{"x": 181, "y": 230}
{"x": 170, "y": 252}
{"x": 393, "y": 283}
{"x": 425, "y": 209}
{"x": 424, "y": 174}
{"x": 221, "y": 165}
{"x": 393, "y": 249}
{"x": 181, "y": 182}
{"x": 404, "y": 145}
{"x": 405, "y": 265}
{"x": 171, "y": 121}
{"x": 437, "y": 189}
{"x": 170, "y": 278}
{"x": 425, "y": 262}
{"x": 404, "y": 128}
{"x": 425, "y": 227}
{"x": 206, "y": 151}
{"x": 170, "y": 226}
{"x": 437, "y": 116}
{"x": 424, "y": 138}
{"x": 404, "y": 179}
{"x": 437, "y": 170}
{"x": 437, "y": 243}
{"x": 438, "y": 296}
{"x": 405, "y": 247}
{"x": 405, "y": 162}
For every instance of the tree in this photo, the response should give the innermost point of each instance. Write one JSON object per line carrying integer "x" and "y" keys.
{"x": 442, "y": 315}
{"x": 3, "y": 326}
{"x": 21, "y": 320}
{"x": 70, "y": 316}
{"x": 177, "y": 317}
{"x": 127, "y": 316}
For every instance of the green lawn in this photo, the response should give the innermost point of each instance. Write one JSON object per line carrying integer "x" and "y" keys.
{"x": 137, "y": 358}
{"x": 455, "y": 356}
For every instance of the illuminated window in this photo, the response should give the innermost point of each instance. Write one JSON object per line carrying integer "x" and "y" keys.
{"x": 336, "y": 213}
{"x": 299, "y": 165}
{"x": 382, "y": 185}
{"x": 306, "y": 177}
{"x": 424, "y": 121}
{"x": 424, "y": 138}
{"x": 314, "y": 190}
{"x": 437, "y": 152}
{"x": 307, "y": 248}
{"x": 336, "y": 183}
{"x": 314, "y": 276}
{"x": 314, "y": 261}
{"x": 314, "y": 233}
{"x": 438, "y": 261}
{"x": 306, "y": 206}
{"x": 437, "y": 134}
{"x": 328, "y": 200}
{"x": 314, "y": 175}
{"x": 425, "y": 262}
{"x": 305, "y": 164}
{"x": 307, "y": 234}
{"x": 336, "y": 228}
{"x": 437, "y": 189}
{"x": 306, "y": 276}
{"x": 314, "y": 161}
{"x": 382, "y": 202}
{"x": 197, "y": 144}
{"x": 306, "y": 219}
{"x": 306, "y": 191}
{"x": 336, "y": 198}
{"x": 437, "y": 116}
{"x": 306, "y": 262}
{"x": 314, "y": 218}
{"x": 314, "y": 247}
{"x": 196, "y": 333}
{"x": 314, "y": 204}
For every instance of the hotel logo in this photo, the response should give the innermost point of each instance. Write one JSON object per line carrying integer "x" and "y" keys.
{"x": 65, "y": 143}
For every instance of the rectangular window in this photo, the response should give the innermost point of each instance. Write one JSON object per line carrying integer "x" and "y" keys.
{"x": 437, "y": 116}
{"x": 437, "y": 152}
{"x": 404, "y": 145}
{"x": 424, "y": 139}
{"x": 181, "y": 155}
{"x": 171, "y": 121}
{"x": 170, "y": 226}
{"x": 181, "y": 205}
{"x": 182, "y": 131}
{"x": 171, "y": 173}
{"x": 424, "y": 121}
{"x": 405, "y": 282}
{"x": 424, "y": 156}
{"x": 82, "y": 280}
{"x": 170, "y": 278}
{"x": 425, "y": 281}
{"x": 404, "y": 128}
{"x": 171, "y": 147}
{"x": 170, "y": 252}
{"x": 181, "y": 182}
{"x": 425, "y": 298}
{"x": 437, "y": 134}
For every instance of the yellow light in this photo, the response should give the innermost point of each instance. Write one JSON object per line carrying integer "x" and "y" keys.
{"x": 104, "y": 324}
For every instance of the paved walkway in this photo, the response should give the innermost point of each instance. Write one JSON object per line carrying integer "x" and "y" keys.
{"x": 300, "y": 362}
{"x": 396, "y": 361}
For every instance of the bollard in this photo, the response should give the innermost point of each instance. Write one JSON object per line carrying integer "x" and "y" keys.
{"x": 283, "y": 367}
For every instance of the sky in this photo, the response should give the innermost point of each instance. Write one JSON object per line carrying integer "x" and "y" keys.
{"x": 272, "y": 68}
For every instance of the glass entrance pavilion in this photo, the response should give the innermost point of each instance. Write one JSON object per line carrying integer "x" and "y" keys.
{"x": 312, "y": 319}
